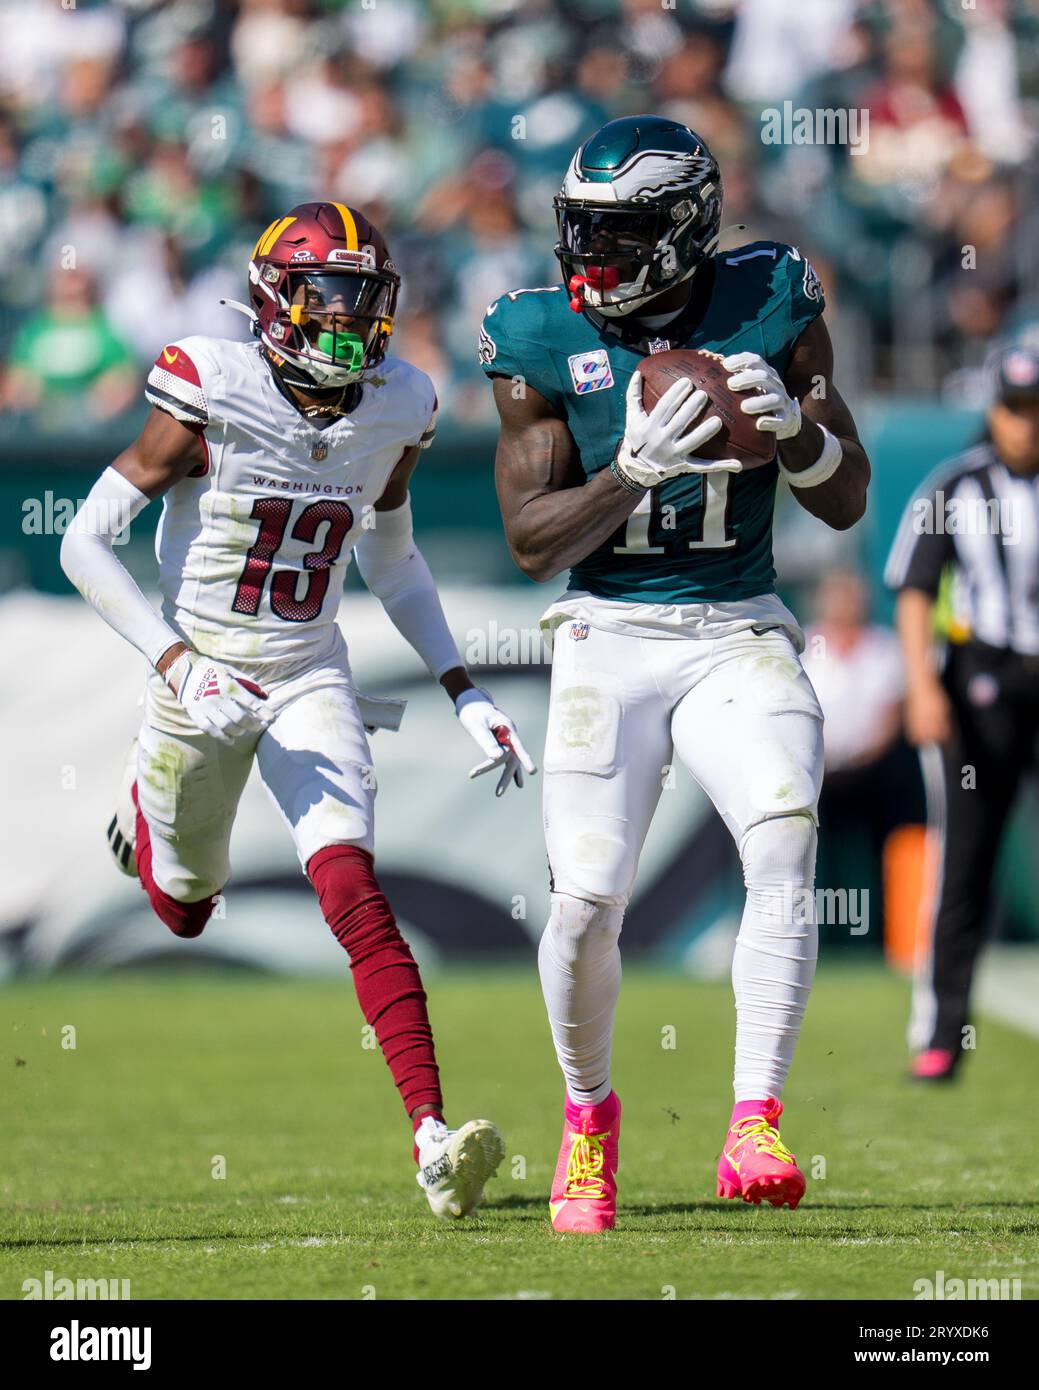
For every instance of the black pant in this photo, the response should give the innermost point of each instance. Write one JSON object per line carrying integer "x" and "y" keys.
{"x": 995, "y": 695}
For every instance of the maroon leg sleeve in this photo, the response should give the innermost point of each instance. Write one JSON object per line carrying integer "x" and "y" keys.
{"x": 387, "y": 980}
{"x": 183, "y": 919}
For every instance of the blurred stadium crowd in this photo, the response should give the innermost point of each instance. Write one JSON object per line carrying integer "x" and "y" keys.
{"x": 144, "y": 143}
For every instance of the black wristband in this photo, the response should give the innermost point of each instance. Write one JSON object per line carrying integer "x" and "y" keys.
{"x": 625, "y": 483}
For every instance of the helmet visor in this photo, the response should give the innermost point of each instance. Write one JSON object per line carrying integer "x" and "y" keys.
{"x": 607, "y": 243}
{"x": 339, "y": 314}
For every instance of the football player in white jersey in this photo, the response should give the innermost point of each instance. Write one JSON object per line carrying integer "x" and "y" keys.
{"x": 276, "y": 460}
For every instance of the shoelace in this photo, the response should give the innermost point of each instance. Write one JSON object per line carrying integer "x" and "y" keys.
{"x": 585, "y": 1166}
{"x": 765, "y": 1137}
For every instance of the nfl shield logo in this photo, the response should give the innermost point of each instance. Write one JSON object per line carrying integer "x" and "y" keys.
{"x": 659, "y": 345}
{"x": 319, "y": 452}
{"x": 578, "y": 631}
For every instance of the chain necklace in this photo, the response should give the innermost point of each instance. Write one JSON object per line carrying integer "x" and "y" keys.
{"x": 310, "y": 412}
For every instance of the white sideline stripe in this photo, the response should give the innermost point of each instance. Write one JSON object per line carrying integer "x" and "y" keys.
{"x": 1008, "y": 987}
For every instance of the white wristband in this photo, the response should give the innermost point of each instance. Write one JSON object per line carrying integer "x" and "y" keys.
{"x": 824, "y": 467}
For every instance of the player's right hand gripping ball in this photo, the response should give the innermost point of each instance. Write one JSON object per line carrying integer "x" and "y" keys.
{"x": 664, "y": 443}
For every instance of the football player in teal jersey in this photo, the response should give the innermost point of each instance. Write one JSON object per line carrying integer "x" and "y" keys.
{"x": 670, "y": 636}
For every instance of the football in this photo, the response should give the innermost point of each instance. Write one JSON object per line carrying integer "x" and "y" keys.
{"x": 739, "y": 437}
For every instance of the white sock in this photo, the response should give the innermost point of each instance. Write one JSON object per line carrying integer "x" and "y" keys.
{"x": 774, "y": 962}
{"x": 580, "y": 965}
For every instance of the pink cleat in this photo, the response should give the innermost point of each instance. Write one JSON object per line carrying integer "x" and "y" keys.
{"x": 936, "y": 1064}
{"x": 584, "y": 1189}
{"x": 755, "y": 1163}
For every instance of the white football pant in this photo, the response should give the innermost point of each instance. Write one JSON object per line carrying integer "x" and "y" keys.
{"x": 313, "y": 758}
{"x": 742, "y": 716}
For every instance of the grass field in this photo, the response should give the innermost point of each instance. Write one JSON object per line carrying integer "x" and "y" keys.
{"x": 110, "y": 1147}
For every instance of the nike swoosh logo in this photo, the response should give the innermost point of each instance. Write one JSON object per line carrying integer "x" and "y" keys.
{"x": 556, "y": 1207}
{"x": 170, "y": 357}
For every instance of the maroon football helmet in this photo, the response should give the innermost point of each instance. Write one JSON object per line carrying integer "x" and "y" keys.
{"x": 324, "y": 292}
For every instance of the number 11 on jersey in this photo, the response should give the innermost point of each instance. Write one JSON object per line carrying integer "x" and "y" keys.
{"x": 706, "y": 518}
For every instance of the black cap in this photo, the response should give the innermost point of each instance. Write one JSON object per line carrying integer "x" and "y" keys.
{"x": 1017, "y": 374}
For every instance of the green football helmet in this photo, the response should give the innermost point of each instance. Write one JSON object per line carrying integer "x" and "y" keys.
{"x": 638, "y": 213}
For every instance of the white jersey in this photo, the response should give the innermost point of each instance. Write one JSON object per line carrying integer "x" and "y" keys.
{"x": 253, "y": 548}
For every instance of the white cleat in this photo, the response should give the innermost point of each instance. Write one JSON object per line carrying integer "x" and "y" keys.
{"x": 456, "y": 1164}
{"x": 122, "y": 832}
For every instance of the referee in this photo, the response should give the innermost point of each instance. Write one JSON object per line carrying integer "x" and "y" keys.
{"x": 971, "y": 535}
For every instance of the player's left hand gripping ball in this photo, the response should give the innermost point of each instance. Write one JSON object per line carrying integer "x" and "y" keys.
{"x": 777, "y": 411}
{"x": 497, "y": 736}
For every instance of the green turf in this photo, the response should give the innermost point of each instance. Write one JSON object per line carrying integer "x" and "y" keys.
{"x": 109, "y": 1148}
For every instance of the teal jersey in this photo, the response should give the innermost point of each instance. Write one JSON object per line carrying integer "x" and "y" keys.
{"x": 692, "y": 539}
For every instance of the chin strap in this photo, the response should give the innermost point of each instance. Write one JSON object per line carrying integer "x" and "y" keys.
{"x": 328, "y": 400}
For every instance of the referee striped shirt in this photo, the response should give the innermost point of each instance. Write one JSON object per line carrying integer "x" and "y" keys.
{"x": 974, "y": 514}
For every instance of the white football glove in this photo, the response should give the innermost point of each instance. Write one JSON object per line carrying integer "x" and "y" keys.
{"x": 777, "y": 411}
{"x": 219, "y": 701}
{"x": 656, "y": 446}
{"x": 497, "y": 736}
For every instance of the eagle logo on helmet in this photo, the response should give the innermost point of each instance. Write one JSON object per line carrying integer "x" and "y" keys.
{"x": 324, "y": 292}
